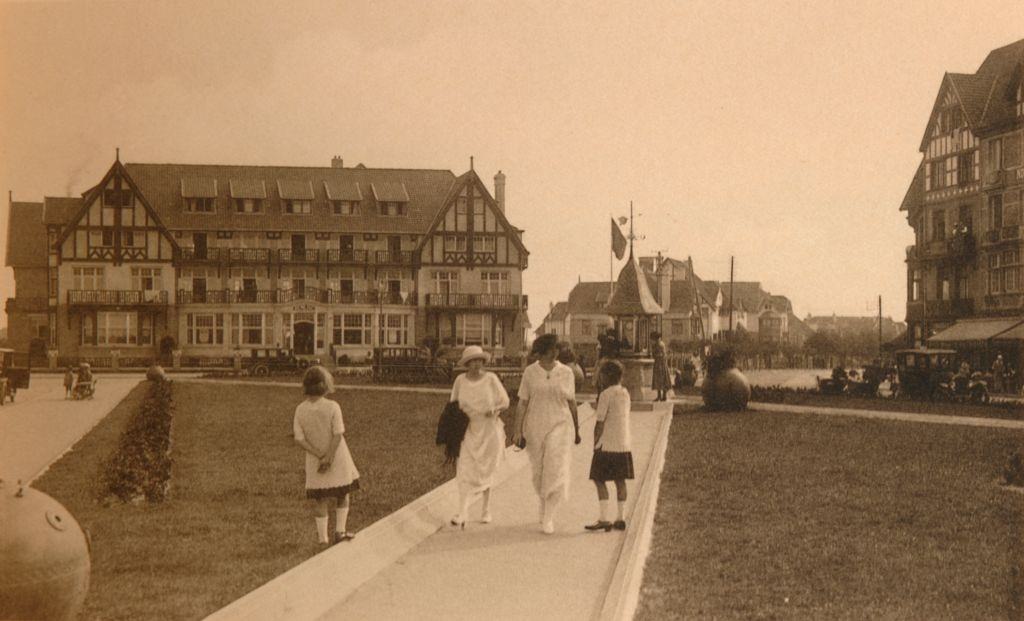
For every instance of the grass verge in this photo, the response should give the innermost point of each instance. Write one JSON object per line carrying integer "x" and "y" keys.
{"x": 236, "y": 515}
{"x": 783, "y": 516}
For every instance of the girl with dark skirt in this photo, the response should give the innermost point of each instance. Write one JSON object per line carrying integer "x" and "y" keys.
{"x": 612, "y": 460}
{"x": 330, "y": 472}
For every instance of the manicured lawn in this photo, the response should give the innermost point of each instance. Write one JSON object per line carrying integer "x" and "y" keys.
{"x": 236, "y": 514}
{"x": 792, "y": 516}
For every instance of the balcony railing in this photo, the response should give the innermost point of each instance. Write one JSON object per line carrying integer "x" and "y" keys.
{"x": 27, "y": 305}
{"x": 274, "y": 296}
{"x": 290, "y": 255}
{"x": 349, "y": 255}
{"x": 477, "y": 300}
{"x": 1011, "y": 301}
{"x": 961, "y": 245}
{"x": 230, "y": 255}
{"x": 229, "y": 296}
{"x": 116, "y": 297}
{"x": 390, "y": 257}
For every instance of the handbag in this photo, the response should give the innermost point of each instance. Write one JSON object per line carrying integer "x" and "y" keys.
{"x": 451, "y": 429}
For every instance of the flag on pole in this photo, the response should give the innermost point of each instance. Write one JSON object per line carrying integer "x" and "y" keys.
{"x": 618, "y": 241}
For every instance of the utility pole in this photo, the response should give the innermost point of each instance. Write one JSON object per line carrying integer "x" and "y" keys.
{"x": 879, "y": 329}
{"x": 732, "y": 289}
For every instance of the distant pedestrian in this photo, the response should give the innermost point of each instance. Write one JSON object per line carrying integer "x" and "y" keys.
{"x": 661, "y": 381}
{"x": 69, "y": 382}
{"x": 613, "y": 459}
{"x": 482, "y": 397}
{"x": 998, "y": 371}
{"x": 330, "y": 472}
{"x": 568, "y": 357}
{"x": 547, "y": 407}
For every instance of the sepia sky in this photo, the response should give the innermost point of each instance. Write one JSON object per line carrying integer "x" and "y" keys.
{"x": 784, "y": 133}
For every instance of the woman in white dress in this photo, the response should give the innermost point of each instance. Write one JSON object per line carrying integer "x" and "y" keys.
{"x": 482, "y": 397}
{"x": 546, "y": 417}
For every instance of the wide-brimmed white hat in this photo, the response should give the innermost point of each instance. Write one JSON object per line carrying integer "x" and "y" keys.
{"x": 472, "y": 353}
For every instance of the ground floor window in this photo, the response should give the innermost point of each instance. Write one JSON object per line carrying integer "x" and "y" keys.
{"x": 117, "y": 328}
{"x": 476, "y": 329}
{"x": 252, "y": 329}
{"x": 352, "y": 329}
{"x": 395, "y": 329}
{"x": 205, "y": 329}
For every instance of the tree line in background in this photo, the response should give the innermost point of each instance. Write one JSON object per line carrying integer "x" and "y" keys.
{"x": 823, "y": 348}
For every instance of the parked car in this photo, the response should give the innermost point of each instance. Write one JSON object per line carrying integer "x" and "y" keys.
{"x": 15, "y": 372}
{"x": 267, "y": 360}
{"x": 921, "y": 371}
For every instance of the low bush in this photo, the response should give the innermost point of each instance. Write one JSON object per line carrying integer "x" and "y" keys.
{"x": 140, "y": 468}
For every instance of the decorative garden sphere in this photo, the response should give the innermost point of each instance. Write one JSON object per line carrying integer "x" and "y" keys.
{"x": 44, "y": 557}
{"x": 156, "y": 373}
{"x": 728, "y": 390}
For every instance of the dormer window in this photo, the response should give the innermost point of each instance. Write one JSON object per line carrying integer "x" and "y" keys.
{"x": 199, "y": 194}
{"x": 249, "y": 205}
{"x": 249, "y": 195}
{"x": 391, "y": 208}
{"x": 345, "y": 208}
{"x": 295, "y": 206}
{"x": 199, "y": 204}
{"x": 392, "y": 199}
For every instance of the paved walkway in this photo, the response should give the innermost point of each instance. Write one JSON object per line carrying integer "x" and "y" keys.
{"x": 509, "y": 569}
{"x": 936, "y": 419}
{"x": 40, "y": 426}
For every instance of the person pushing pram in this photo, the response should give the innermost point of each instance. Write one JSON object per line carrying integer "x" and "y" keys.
{"x": 85, "y": 386}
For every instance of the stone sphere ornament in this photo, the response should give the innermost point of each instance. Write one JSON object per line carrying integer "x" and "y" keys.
{"x": 725, "y": 388}
{"x": 44, "y": 557}
{"x": 156, "y": 373}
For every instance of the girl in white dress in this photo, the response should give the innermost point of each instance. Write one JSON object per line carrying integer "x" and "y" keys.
{"x": 546, "y": 417}
{"x": 482, "y": 397}
{"x": 330, "y": 471}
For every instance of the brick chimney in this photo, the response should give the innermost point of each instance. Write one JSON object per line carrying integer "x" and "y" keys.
{"x": 337, "y": 162}
{"x": 499, "y": 190}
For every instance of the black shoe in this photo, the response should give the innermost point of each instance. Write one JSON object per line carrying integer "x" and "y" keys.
{"x": 345, "y": 536}
{"x": 620, "y": 525}
{"x": 599, "y": 525}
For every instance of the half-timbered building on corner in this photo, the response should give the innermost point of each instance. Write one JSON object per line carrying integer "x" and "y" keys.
{"x": 213, "y": 261}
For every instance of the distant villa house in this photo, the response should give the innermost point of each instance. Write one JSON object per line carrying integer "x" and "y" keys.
{"x": 694, "y": 308}
{"x": 218, "y": 260}
{"x": 848, "y": 325}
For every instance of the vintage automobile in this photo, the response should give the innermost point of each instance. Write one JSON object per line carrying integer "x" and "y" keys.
{"x": 267, "y": 360}
{"x": 920, "y": 372}
{"x": 15, "y": 372}
{"x": 410, "y": 365}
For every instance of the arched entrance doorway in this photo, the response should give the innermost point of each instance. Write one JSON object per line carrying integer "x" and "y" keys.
{"x": 303, "y": 339}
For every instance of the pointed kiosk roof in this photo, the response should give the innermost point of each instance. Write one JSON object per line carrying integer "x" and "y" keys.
{"x": 632, "y": 296}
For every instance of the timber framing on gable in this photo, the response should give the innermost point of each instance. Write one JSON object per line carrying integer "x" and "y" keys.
{"x": 458, "y": 237}
{"x": 115, "y": 185}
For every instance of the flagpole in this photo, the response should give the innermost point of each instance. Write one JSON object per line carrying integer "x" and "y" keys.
{"x": 611, "y": 251}
{"x": 631, "y": 235}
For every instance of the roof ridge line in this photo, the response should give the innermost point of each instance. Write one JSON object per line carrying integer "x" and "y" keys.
{"x": 447, "y": 170}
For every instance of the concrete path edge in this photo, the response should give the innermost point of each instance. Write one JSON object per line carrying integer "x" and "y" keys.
{"x": 624, "y": 590}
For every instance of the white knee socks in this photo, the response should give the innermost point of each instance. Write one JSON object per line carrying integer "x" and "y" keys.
{"x": 342, "y": 519}
{"x": 622, "y": 510}
{"x": 321, "y": 528}
{"x": 604, "y": 509}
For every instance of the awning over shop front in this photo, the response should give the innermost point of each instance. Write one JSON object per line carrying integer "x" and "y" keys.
{"x": 977, "y": 330}
{"x": 1015, "y": 333}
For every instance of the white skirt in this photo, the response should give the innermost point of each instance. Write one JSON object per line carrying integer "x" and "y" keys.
{"x": 481, "y": 454}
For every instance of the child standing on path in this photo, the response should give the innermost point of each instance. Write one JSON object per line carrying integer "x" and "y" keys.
{"x": 612, "y": 460}
{"x": 69, "y": 382}
{"x": 330, "y": 471}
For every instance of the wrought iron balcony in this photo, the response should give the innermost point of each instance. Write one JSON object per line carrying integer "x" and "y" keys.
{"x": 940, "y": 309}
{"x": 289, "y": 255}
{"x": 229, "y": 296}
{"x": 226, "y": 255}
{"x": 389, "y": 257}
{"x": 116, "y": 297}
{"x": 348, "y": 256}
{"x": 510, "y": 301}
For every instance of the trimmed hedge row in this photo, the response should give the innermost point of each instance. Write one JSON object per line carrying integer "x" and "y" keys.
{"x": 140, "y": 469}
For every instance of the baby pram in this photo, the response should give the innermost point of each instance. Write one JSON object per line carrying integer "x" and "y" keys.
{"x": 85, "y": 387}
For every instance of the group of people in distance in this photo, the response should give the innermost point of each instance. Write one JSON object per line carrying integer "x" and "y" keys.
{"x": 82, "y": 382}
{"x": 545, "y": 423}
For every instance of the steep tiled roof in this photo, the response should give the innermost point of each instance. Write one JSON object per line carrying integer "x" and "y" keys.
{"x": 58, "y": 209}
{"x": 632, "y": 295}
{"x": 588, "y": 297}
{"x": 915, "y": 193}
{"x": 162, "y": 185}
{"x": 749, "y": 296}
{"x": 557, "y": 312}
{"x": 28, "y": 247}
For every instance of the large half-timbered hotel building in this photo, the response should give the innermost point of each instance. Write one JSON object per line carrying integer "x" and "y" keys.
{"x": 965, "y": 275}
{"x": 217, "y": 260}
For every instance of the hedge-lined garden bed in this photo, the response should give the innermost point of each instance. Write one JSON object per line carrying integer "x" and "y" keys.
{"x": 140, "y": 468}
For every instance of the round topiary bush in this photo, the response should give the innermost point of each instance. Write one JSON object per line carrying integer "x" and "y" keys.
{"x": 725, "y": 388}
